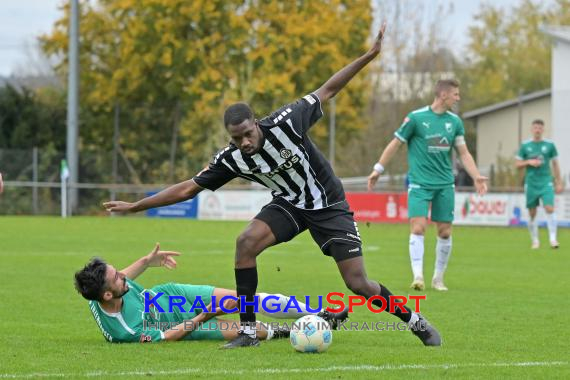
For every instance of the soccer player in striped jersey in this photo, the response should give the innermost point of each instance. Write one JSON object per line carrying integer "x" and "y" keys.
{"x": 431, "y": 132}
{"x": 277, "y": 153}
{"x": 536, "y": 156}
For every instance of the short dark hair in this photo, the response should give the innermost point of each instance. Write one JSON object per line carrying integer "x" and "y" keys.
{"x": 538, "y": 121}
{"x": 90, "y": 281}
{"x": 444, "y": 85}
{"x": 237, "y": 113}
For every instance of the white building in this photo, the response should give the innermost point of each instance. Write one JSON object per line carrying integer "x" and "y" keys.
{"x": 560, "y": 104}
{"x": 502, "y": 126}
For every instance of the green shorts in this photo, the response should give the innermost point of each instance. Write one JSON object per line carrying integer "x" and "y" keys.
{"x": 535, "y": 193}
{"x": 442, "y": 203}
{"x": 208, "y": 331}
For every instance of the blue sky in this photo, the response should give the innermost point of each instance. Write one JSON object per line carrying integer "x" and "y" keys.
{"x": 22, "y": 20}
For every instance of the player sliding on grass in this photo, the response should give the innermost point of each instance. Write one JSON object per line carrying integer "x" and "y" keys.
{"x": 118, "y": 303}
{"x": 277, "y": 153}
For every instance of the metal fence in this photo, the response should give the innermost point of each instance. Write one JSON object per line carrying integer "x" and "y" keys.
{"x": 33, "y": 185}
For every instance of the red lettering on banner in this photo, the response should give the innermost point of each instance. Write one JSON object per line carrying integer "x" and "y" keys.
{"x": 482, "y": 206}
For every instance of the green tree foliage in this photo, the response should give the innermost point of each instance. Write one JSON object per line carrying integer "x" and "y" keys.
{"x": 31, "y": 119}
{"x": 174, "y": 65}
{"x": 507, "y": 52}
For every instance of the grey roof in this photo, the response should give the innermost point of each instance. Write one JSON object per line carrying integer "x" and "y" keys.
{"x": 561, "y": 32}
{"x": 509, "y": 103}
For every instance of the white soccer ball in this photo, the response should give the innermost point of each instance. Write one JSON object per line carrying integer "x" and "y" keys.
{"x": 311, "y": 334}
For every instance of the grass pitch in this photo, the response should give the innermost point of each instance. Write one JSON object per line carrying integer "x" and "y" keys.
{"x": 505, "y": 315}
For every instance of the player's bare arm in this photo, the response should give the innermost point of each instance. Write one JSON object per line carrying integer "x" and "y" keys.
{"x": 471, "y": 168}
{"x": 156, "y": 258}
{"x": 1, "y": 184}
{"x": 558, "y": 185}
{"x": 176, "y": 193}
{"x": 530, "y": 162}
{"x": 389, "y": 152}
{"x": 343, "y": 76}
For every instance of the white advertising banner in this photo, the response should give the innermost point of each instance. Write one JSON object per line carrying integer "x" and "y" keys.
{"x": 231, "y": 204}
{"x": 490, "y": 210}
{"x": 505, "y": 209}
{"x": 493, "y": 209}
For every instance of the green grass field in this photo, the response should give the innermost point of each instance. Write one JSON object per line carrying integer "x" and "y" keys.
{"x": 506, "y": 314}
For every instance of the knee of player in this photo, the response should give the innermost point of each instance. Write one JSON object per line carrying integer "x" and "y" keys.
{"x": 247, "y": 244}
{"x": 417, "y": 229}
{"x": 357, "y": 284}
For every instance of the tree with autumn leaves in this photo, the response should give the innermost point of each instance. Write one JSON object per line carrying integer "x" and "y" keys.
{"x": 173, "y": 66}
{"x": 188, "y": 60}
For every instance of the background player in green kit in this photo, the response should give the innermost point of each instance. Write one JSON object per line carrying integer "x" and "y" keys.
{"x": 536, "y": 155}
{"x": 117, "y": 304}
{"x": 430, "y": 133}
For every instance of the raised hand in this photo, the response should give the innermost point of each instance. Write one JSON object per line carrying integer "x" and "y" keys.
{"x": 377, "y": 45}
{"x": 158, "y": 258}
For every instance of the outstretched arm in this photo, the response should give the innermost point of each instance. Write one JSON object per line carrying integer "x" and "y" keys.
{"x": 342, "y": 77}
{"x": 386, "y": 156}
{"x": 471, "y": 168}
{"x": 173, "y": 194}
{"x": 156, "y": 258}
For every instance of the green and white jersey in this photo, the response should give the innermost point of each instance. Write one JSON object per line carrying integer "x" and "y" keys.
{"x": 545, "y": 151}
{"x": 430, "y": 137}
{"x": 127, "y": 325}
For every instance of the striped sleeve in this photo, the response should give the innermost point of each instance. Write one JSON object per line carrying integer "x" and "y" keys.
{"x": 217, "y": 173}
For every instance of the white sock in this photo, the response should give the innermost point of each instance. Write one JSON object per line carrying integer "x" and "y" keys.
{"x": 249, "y": 330}
{"x": 417, "y": 255}
{"x": 280, "y": 304}
{"x": 413, "y": 319}
{"x": 270, "y": 331}
{"x": 442, "y": 253}
{"x": 533, "y": 229}
{"x": 551, "y": 223}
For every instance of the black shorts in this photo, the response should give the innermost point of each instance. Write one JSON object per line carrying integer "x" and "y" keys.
{"x": 332, "y": 228}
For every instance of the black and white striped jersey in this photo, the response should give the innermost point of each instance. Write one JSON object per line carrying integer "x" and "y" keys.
{"x": 288, "y": 163}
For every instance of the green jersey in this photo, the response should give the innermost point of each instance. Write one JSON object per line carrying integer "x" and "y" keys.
{"x": 430, "y": 136}
{"x": 132, "y": 324}
{"x": 543, "y": 150}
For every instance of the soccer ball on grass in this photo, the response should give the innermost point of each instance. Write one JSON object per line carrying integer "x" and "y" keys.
{"x": 311, "y": 334}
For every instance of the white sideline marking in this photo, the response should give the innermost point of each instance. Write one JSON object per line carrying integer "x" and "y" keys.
{"x": 357, "y": 368}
